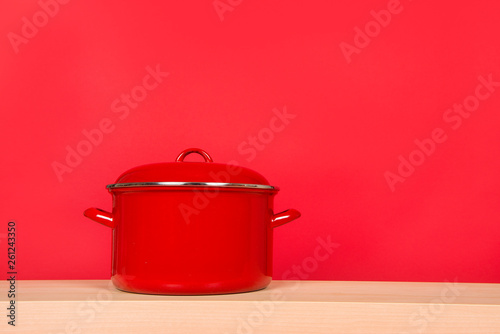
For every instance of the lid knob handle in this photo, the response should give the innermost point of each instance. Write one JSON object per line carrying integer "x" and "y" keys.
{"x": 201, "y": 152}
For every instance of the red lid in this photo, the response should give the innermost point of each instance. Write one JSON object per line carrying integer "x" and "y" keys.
{"x": 180, "y": 173}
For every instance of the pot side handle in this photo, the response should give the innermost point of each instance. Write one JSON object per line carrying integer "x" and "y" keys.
{"x": 100, "y": 216}
{"x": 284, "y": 217}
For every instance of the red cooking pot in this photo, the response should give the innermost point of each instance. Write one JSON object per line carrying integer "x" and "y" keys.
{"x": 191, "y": 228}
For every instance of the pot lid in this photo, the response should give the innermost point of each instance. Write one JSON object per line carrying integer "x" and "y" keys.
{"x": 192, "y": 174}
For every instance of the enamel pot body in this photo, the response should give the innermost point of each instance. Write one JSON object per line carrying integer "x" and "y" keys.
{"x": 191, "y": 237}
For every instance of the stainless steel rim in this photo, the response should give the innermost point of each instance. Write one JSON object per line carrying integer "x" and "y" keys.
{"x": 190, "y": 184}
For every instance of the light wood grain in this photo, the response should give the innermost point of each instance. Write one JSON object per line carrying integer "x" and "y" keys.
{"x": 95, "y": 306}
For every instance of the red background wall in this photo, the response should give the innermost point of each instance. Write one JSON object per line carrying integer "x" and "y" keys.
{"x": 354, "y": 116}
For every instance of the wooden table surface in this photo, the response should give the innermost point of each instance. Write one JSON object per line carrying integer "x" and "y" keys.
{"x": 95, "y": 306}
